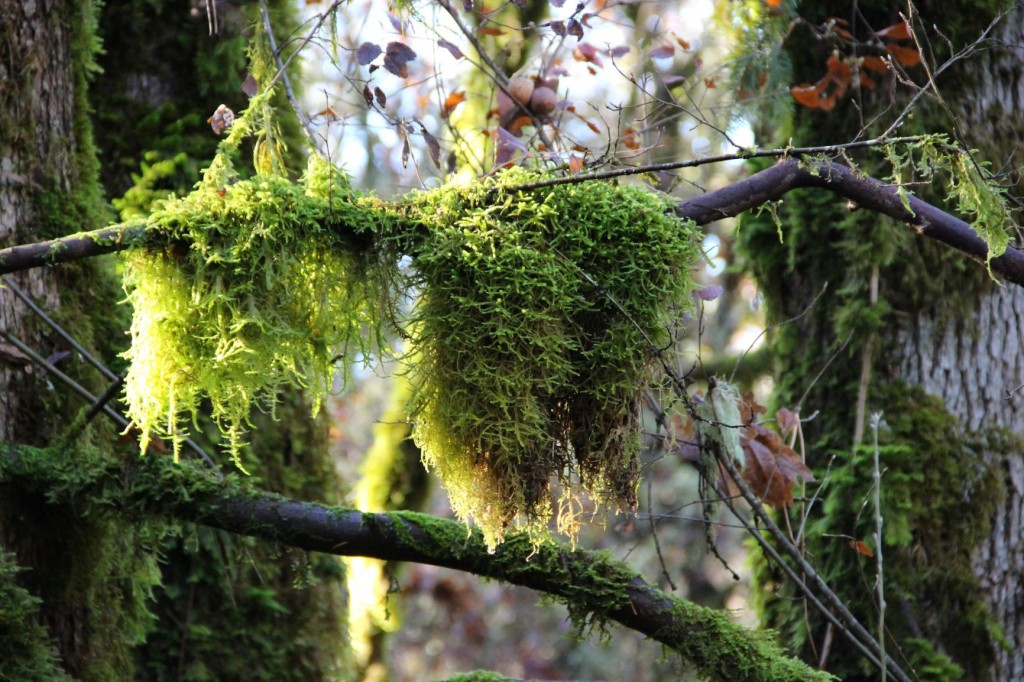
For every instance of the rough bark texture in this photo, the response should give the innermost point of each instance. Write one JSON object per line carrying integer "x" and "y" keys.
{"x": 976, "y": 363}
{"x": 84, "y": 570}
{"x": 38, "y": 147}
{"x": 943, "y": 349}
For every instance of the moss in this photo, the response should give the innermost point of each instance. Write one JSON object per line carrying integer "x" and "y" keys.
{"x": 29, "y": 651}
{"x": 256, "y": 292}
{"x": 479, "y": 676}
{"x": 593, "y": 586}
{"x": 531, "y": 344}
{"x": 535, "y": 336}
{"x": 938, "y": 497}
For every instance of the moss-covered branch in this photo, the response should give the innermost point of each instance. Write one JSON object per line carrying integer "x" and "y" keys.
{"x": 593, "y": 586}
{"x": 760, "y": 188}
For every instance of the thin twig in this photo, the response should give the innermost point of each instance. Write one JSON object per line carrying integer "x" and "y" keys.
{"x": 782, "y": 152}
{"x": 853, "y": 628}
{"x": 876, "y": 419}
{"x": 118, "y": 381}
{"x": 497, "y": 74}
{"x": 304, "y": 120}
{"x": 27, "y": 300}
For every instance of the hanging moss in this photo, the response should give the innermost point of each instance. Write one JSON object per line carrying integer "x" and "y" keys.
{"x": 255, "y": 291}
{"x": 534, "y": 336}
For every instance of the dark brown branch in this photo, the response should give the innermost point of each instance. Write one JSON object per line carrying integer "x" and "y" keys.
{"x": 590, "y": 584}
{"x": 73, "y": 247}
{"x": 865, "y": 192}
{"x": 768, "y": 185}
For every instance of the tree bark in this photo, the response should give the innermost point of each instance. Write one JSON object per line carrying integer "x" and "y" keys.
{"x": 907, "y": 333}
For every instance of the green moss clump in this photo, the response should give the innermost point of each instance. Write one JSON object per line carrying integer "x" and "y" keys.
{"x": 29, "y": 653}
{"x": 256, "y": 290}
{"x": 534, "y": 339}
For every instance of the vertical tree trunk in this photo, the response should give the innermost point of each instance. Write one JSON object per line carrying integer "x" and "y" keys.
{"x": 89, "y": 572}
{"x": 939, "y": 354}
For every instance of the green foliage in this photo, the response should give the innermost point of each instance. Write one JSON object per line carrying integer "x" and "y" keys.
{"x": 938, "y": 497}
{"x": 29, "y": 655}
{"x": 223, "y": 593}
{"x": 480, "y": 676}
{"x": 255, "y": 291}
{"x": 534, "y": 339}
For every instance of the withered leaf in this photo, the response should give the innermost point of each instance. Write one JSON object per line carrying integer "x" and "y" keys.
{"x": 433, "y": 146}
{"x": 876, "y": 64}
{"x": 771, "y": 468}
{"x": 396, "y": 57}
{"x": 222, "y": 119}
{"x": 898, "y": 31}
{"x": 574, "y": 28}
{"x": 663, "y": 52}
{"x": 629, "y": 138}
{"x": 454, "y": 50}
{"x": 862, "y": 548}
{"x": 451, "y": 101}
{"x": 585, "y": 52}
{"x": 249, "y": 86}
{"x": 907, "y": 56}
{"x": 366, "y": 53}
{"x": 787, "y": 419}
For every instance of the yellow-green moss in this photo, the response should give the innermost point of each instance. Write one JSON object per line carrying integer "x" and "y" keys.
{"x": 255, "y": 291}
{"x": 531, "y": 342}
{"x": 534, "y": 338}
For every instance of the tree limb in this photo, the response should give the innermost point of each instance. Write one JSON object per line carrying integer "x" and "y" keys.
{"x": 767, "y": 185}
{"x": 593, "y": 586}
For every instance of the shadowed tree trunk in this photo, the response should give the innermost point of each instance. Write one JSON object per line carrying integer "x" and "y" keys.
{"x": 91, "y": 573}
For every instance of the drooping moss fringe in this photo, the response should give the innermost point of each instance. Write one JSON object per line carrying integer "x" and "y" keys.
{"x": 531, "y": 341}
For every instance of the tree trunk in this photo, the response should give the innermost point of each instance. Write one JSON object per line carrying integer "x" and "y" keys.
{"x": 89, "y": 572}
{"x": 934, "y": 346}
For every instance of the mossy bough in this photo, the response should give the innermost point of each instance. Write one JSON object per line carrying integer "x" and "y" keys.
{"x": 255, "y": 290}
{"x": 531, "y": 342}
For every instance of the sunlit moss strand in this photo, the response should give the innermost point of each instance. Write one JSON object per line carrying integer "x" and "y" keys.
{"x": 254, "y": 293}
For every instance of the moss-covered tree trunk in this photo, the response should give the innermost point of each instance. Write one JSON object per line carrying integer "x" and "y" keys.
{"x": 90, "y": 573}
{"x": 932, "y": 344}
